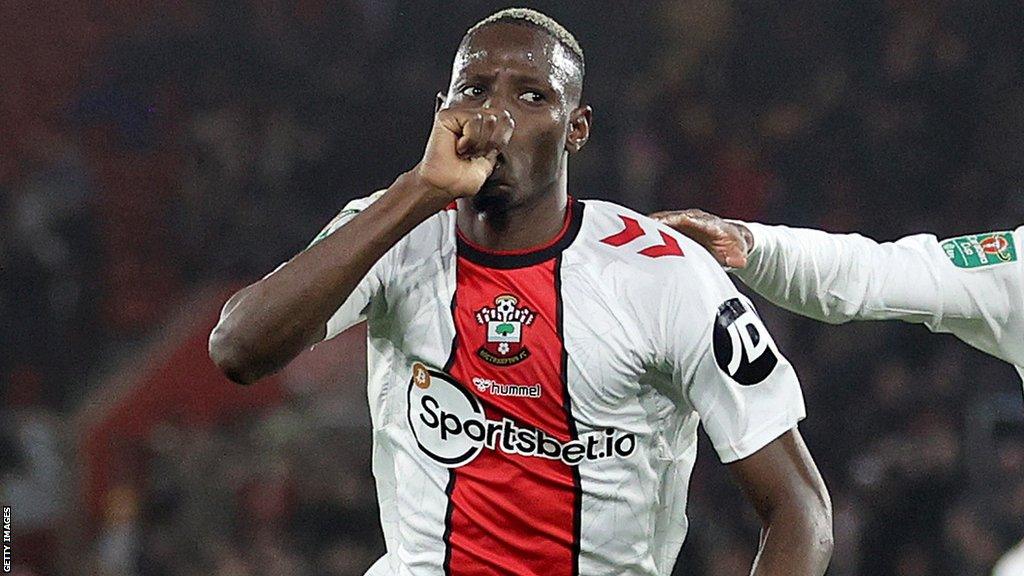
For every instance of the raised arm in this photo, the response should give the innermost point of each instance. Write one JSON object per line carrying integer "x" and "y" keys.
{"x": 266, "y": 324}
{"x": 841, "y": 277}
{"x": 783, "y": 484}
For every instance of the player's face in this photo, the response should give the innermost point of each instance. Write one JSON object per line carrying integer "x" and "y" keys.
{"x": 525, "y": 71}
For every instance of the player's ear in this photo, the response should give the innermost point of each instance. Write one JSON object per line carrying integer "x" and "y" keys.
{"x": 579, "y": 128}
{"x": 439, "y": 101}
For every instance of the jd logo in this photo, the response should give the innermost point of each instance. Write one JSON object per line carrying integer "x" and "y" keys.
{"x": 743, "y": 348}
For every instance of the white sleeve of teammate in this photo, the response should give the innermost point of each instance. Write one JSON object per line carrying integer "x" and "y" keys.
{"x": 353, "y": 310}
{"x": 841, "y": 277}
{"x": 726, "y": 363}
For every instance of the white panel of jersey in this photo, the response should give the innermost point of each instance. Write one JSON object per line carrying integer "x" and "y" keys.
{"x": 535, "y": 412}
{"x": 970, "y": 286}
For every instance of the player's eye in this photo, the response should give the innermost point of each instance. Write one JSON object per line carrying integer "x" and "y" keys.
{"x": 532, "y": 96}
{"x": 472, "y": 91}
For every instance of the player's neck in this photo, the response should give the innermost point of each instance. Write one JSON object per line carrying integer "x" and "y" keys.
{"x": 528, "y": 225}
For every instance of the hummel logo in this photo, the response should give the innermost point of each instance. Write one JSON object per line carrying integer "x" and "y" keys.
{"x": 485, "y": 385}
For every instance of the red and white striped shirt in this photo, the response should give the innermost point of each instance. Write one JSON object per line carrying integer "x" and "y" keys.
{"x": 535, "y": 412}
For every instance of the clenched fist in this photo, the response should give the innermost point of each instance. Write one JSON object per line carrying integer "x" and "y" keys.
{"x": 463, "y": 148}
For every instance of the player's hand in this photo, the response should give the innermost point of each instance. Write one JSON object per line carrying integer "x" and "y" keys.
{"x": 463, "y": 149}
{"x": 728, "y": 242}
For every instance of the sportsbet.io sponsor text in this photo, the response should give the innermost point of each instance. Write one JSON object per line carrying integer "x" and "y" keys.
{"x": 7, "y": 539}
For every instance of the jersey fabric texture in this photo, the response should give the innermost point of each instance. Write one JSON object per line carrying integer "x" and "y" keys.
{"x": 535, "y": 412}
{"x": 971, "y": 286}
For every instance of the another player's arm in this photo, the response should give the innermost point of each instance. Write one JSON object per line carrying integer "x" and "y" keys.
{"x": 266, "y": 324}
{"x": 784, "y": 486}
{"x": 832, "y": 277}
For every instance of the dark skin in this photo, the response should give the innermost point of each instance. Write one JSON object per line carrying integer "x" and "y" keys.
{"x": 783, "y": 484}
{"x": 500, "y": 144}
{"x": 529, "y": 74}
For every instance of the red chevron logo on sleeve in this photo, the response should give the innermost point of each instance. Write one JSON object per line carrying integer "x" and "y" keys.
{"x": 669, "y": 246}
{"x": 631, "y": 232}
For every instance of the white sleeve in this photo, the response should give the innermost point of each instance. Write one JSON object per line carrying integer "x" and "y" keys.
{"x": 1012, "y": 563}
{"x": 353, "y": 310}
{"x": 841, "y": 277}
{"x": 726, "y": 363}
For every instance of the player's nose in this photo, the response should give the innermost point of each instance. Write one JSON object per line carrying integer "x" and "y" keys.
{"x": 496, "y": 101}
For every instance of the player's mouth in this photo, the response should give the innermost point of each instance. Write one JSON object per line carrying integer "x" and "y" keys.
{"x": 494, "y": 185}
{"x": 498, "y": 178}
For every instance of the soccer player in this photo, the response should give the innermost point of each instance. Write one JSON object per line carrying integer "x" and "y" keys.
{"x": 970, "y": 286}
{"x": 538, "y": 364}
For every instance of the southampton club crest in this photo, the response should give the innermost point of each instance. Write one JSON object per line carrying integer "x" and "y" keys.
{"x": 504, "y": 323}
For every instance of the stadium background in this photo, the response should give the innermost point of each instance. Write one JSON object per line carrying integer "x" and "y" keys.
{"x": 155, "y": 155}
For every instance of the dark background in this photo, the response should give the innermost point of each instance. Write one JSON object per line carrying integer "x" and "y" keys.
{"x": 155, "y": 155}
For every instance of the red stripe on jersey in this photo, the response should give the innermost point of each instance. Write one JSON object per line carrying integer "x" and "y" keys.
{"x": 509, "y": 513}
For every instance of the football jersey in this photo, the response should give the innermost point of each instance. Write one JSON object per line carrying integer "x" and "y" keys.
{"x": 970, "y": 286}
{"x": 535, "y": 412}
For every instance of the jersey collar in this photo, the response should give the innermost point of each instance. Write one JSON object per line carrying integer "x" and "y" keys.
{"x": 506, "y": 259}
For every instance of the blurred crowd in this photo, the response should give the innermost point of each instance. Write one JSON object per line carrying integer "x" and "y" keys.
{"x": 149, "y": 149}
{"x": 283, "y": 494}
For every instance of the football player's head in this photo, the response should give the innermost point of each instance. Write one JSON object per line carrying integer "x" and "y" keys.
{"x": 524, "y": 62}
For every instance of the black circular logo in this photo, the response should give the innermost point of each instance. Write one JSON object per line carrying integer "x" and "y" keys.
{"x": 743, "y": 348}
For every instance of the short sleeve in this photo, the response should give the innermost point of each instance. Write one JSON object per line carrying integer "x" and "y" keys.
{"x": 726, "y": 363}
{"x": 353, "y": 310}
